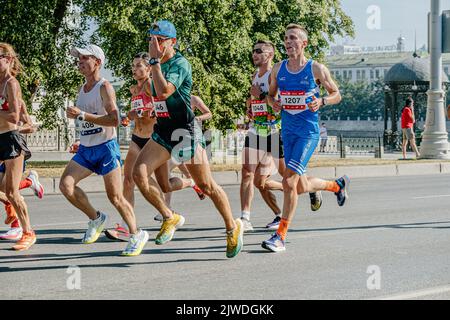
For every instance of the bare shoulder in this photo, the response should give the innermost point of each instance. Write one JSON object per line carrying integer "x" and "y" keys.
{"x": 195, "y": 100}
{"x": 107, "y": 87}
{"x": 276, "y": 67}
{"x": 319, "y": 68}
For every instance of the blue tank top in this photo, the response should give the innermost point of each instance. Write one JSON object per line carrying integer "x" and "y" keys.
{"x": 296, "y": 90}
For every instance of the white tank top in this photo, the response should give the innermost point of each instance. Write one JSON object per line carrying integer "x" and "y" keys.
{"x": 91, "y": 102}
{"x": 263, "y": 81}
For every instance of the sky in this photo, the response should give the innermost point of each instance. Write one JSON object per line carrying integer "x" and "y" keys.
{"x": 395, "y": 17}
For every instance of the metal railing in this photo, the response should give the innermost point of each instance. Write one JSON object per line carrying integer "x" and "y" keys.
{"x": 230, "y": 144}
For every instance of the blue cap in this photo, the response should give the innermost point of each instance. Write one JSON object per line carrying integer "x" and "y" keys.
{"x": 163, "y": 28}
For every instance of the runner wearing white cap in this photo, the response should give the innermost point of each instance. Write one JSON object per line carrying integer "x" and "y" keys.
{"x": 98, "y": 151}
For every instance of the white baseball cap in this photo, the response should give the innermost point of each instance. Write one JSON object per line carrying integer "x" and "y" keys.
{"x": 90, "y": 50}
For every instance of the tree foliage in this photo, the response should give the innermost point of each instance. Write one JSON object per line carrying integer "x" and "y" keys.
{"x": 216, "y": 36}
{"x": 42, "y": 32}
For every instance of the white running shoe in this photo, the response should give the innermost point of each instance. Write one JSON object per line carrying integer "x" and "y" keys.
{"x": 36, "y": 186}
{"x": 14, "y": 234}
{"x": 136, "y": 244}
{"x": 247, "y": 225}
{"x": 95, "y": 228}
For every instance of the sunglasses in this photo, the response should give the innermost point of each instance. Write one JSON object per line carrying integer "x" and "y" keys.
{"x": 160, "y": 39}
{"x": 258, "y": 51}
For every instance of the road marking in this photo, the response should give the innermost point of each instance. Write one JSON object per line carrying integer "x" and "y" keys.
{"x": 60, "y": 224}
{"x": 431, "y": 197}
{"x": 416, "y": 294}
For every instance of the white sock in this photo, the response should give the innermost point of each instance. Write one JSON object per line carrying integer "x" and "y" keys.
{"x": 245, "y": 215}
{"x": 192, "y": 183}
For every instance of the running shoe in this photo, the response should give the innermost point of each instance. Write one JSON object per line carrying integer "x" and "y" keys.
{"x": 95, "y": 228}
{"x": 27, "y": 240}
{"x": 199, "y": 192}
{"x": 119, "y": 233}
{"x": 13, "y": 234}
{"x": 274, "y": 244}
{"x": 10, "y": 213}
{"x": 36, "y": 186}
{"x": 316, "y": 200}
{"x": 274, "y": 224}
{"x": 135, "y": 244}
{"x": 247, "y": 225}
{"x": 342, "y": 194}
{"x": 158, "y": 217}
{"x": 235, "y": 239}
{"x": 168, "y": 228}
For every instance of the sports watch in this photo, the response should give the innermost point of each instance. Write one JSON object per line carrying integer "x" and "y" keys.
{"x": 153, "y": 61}
{"x": 80, "y": 117}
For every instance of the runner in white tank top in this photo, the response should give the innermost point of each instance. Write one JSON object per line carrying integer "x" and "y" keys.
{"x": 262, "y": 143}
{"x": 98, "y": 151}
{"x": 91, "y": 102}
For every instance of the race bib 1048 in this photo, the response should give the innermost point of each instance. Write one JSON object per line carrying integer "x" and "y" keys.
{"x": 259, "y": 108}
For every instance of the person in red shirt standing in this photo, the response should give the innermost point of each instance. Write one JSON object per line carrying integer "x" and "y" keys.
{"x": 407, "y": 127}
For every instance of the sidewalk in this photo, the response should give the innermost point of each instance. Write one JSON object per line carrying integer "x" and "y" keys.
{"x": 95, "y": 183}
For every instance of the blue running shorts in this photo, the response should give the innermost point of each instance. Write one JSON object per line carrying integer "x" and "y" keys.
{"x": 101, "y": 159}
{"x": 298, "y": 151}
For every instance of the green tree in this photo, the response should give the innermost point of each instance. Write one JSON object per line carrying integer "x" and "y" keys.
{"x": 42, "y": 33}
{"x": 216, "y": 36}
{"x": 359, "y": 99}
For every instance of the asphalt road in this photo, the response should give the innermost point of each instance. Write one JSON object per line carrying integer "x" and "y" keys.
{"x": 391, "y": 240}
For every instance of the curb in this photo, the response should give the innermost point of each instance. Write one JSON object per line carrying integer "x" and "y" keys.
{"x": 228, "y": 178}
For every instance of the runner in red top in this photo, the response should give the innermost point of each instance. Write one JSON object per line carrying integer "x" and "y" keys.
{"x": 407, "y": 127}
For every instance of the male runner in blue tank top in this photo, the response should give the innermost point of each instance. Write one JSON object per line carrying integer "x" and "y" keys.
{"x": 294, "y": 91}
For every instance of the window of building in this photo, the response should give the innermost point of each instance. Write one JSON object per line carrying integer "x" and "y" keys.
{"x": 446, "y": 70}
{"x": 377, "y": 74}
{"x": 350, "y": 74}
{"x": 345, "y": 74}
{"x": 371, "y": 74}
{"x": 358, "y": 74}
{"x": 385, "y": 71}
{"x": 364, "y": 74}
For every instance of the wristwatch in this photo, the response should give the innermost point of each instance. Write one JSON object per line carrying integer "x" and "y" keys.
{"x": 324, "y": 101}
{"x": 153, "y": 61}
{"x": 80, "y": 117}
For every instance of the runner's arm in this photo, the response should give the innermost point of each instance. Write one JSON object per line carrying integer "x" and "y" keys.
{"x": 12, "y": 93}
{"x": 198, "y": 103}
{"x": 27, "y": 124}
{"x": 111, "y": 119}
{"x": 323, "y": 74}
{"x": 273, "y": 89}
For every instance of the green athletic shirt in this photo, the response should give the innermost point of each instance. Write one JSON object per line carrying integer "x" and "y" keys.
{"x": 178, "y": 71}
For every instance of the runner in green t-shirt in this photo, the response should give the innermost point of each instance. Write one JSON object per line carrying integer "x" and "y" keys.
{"x": 176, "y": 135}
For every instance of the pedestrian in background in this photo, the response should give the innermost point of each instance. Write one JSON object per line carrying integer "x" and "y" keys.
{"x": 408, "y": 121}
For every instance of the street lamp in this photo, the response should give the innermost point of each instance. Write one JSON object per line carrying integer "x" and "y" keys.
{"x": 434, "y": 143}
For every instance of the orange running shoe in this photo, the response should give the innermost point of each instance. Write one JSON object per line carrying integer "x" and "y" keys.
{"x": 199, "y": 192}
{"x": 10, "y": 213}
{"x": 27, "y": 240}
